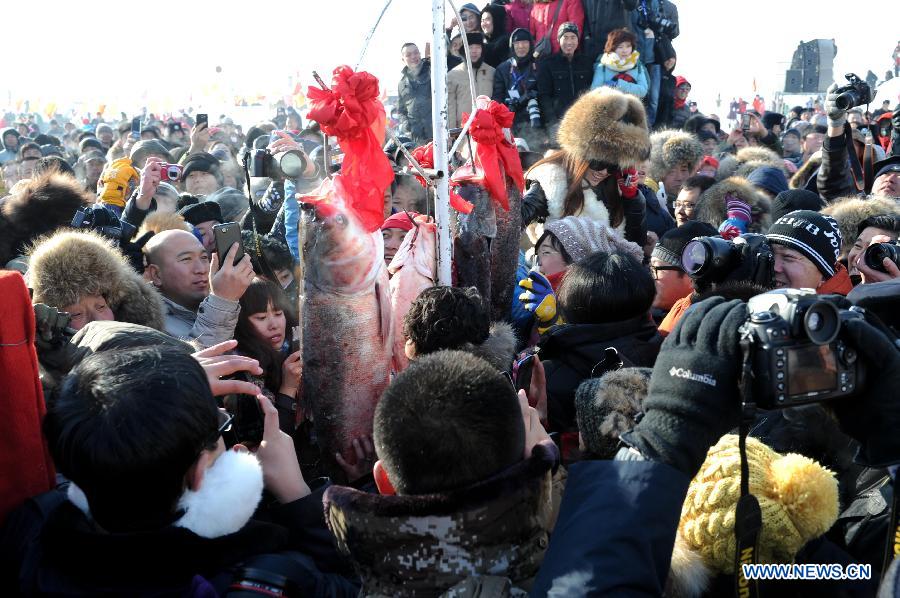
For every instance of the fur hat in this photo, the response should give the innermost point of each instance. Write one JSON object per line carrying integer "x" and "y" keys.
{"x": 850, "y": 211}
{"x": 797, "y": 496}
{"x": 711, "y": 205}
{"x": 72, "y": 264}
{"x": 670, "y": 148}
{"x": 157, "y": 222}
{"x": 37, "y": 207}
{"x": 608, "y": 126}
{"x": 606, "y": 407}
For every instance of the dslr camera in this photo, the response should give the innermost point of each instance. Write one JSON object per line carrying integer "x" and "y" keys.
{"x": 98, "y": 217}
{"x": 876, "y": 252}
{"x": 282, "y": 165}
{"x": 796, "y": 352}
{"x": 856, "y": 93}
{"x": 713, "y": 260}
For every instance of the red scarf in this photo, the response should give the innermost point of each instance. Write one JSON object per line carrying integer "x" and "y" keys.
{"x": 679, "y": 81}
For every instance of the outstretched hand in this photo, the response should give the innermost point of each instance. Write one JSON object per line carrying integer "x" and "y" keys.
{"x": 217, "y": 364}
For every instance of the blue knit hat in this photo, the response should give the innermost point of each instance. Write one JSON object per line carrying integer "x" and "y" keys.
{"x": 770, "y": 179}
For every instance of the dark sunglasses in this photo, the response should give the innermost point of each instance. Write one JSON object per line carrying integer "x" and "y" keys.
{"x": 598, "y": 165}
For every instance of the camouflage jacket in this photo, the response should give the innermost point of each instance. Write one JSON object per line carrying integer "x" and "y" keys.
{"x": 487, "y": 538}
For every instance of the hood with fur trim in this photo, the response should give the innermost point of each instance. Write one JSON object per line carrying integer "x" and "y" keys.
{"x": 499, "y": 349}
{"x": 39, "y": 206}
{"x": 418, "y": 545}
{"x": 711, "y": 205}
{"x": 606, "y": 125}
{"x": 806, "y": 172}
{"x": 157, "y": 222}
{"x": 850, "y": 211}
{"x": 670, "y": 148}
{"x": 72, "y": 264}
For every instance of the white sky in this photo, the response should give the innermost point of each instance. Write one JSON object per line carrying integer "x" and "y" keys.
{"x": 128, "y": 55}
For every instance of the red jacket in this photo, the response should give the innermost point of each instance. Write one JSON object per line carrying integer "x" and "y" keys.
{"x": 542, "y": 18}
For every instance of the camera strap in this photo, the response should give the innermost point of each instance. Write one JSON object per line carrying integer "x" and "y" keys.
{"x": 863, "y": 174}
{"x": 747, "y": 516}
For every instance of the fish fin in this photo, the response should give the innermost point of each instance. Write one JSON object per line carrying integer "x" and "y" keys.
{"x": 383, "y": 297}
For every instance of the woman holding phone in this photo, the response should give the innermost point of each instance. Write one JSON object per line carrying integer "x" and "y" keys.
{"x": 263, "y": 333}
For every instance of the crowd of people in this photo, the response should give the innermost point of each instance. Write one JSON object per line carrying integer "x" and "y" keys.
{"x": 573, "y": 429}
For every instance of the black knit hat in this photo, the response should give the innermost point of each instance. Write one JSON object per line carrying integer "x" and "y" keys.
{"x": 475, "y": 37}
{"x": 673, "y": 242}
{"x": 201, "y": 212}
{"x": 202, "y": 162}
{"x": 520, "y": 35}
{"x": 795, "y": 199}
{"x": 770, "y": 119}
{"x": 815, "y": 235}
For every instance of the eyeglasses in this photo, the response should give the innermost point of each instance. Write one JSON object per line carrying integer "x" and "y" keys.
{"x": 225, "y": 420}
{"x": 655, "y": 270}
{"x": 598, "y": 166}
{"x": 686, "y": 205}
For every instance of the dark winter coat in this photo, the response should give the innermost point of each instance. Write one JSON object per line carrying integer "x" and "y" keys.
{"x": 560, "y": 82}
{"x": 834, "y": 179}
{"x": 414, "y": 103}
{"x": 665, "y": 112}
{"x": 496, "y": 49}
{"x": 615, "y": 530}
{"x": 656, "y": 217}
{"x": 570, "y": 352}
{"x": 601, "y": 17}
{"x": 48, "y": 546}
{"x": 527, "y": 88}
{"x": 423, "y": 545}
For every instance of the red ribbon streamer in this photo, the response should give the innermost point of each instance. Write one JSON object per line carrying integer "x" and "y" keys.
{"x": 424, "y": 155}
{"x": 352, "y": 111}
{"x": 494, "y": 150}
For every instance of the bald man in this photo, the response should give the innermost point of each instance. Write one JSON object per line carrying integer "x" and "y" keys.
{"x": 201, "y": 297}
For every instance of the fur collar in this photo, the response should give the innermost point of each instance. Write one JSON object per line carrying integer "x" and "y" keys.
{"x": 554, "y": 182}
{"x": 227, "y": 498}
{"x": 500, "y": 347}
{"x": 424, "y": 544}
{"x": 711, "y": 205}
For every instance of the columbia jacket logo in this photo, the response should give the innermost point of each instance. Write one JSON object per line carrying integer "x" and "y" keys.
{"x": 689, "y": 375}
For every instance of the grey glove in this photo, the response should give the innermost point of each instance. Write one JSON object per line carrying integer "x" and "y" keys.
{"x": 836, "y": 116}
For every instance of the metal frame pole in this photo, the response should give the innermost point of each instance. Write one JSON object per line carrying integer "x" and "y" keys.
{"x": 439, "y": 125}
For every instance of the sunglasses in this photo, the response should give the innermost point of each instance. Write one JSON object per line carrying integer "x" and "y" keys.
{"x": 598, "y": 165}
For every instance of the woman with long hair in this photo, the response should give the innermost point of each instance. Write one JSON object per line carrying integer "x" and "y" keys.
{"x": 603, "y": 136}
{"x": 263, "y": 332}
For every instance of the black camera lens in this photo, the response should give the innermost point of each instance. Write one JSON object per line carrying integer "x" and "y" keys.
{"x": 709, "y": 257}
{"x": 822, "y": 322}
{"x": 847, "y": 100}
{"x": 291, "y": 163}
{"x": 876, "y": 252}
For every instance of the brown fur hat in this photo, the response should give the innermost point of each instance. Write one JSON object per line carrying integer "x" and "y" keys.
{"x": 711, "y": 205}
{"x": 801, "y": 177}
{"x": 606, "y": 125}
{"x": 37, "y": 207}
{"x": 606, "y": 407}
{"x": 759, "y": 154}
{"x": 72, "y": 264}
{"x": 157, "y": 222}
{"x": 747, "y": 160}
{"x": 850, "y": 211}
{"x": 670, "y": 148}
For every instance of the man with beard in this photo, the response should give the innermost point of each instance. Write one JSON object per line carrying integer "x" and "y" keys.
{"x": 516, "y": 82}
{"x": 414, "y": 95}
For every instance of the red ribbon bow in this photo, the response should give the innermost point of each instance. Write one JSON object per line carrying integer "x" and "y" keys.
{"x": 495, "y": 150}
{"x": 424, "y": 155}
{"x": 352, "y": 111}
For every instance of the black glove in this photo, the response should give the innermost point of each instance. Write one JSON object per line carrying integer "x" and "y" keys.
{"x": 693, "y": 398}
{"x": 873, "y": 416}
{"x": 133, "y": 250}
{"x": 52, "y": 327}
{"x": 534, "y": 204}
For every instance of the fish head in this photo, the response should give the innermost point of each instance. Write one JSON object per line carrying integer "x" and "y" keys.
{"x": 338, "y": 254}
